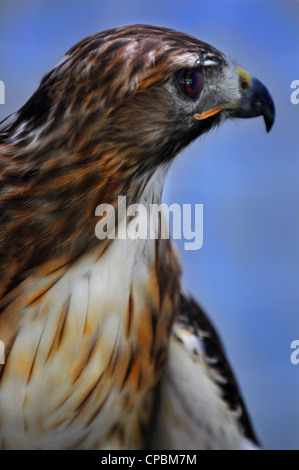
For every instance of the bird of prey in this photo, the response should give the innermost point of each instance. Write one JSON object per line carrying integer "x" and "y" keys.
{"x": 104, "y": 349}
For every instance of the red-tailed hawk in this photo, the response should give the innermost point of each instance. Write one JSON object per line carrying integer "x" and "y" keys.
{"x": 104, "y": 350}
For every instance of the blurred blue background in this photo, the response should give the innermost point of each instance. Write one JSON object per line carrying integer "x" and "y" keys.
{"x": 246, "y": 274}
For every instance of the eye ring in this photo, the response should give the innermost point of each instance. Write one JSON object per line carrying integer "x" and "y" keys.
{"x": 192, "y": 83}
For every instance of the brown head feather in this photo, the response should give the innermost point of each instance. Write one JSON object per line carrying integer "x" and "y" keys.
{"x": 101, "y": 120}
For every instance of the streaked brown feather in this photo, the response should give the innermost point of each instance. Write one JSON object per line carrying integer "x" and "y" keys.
{"x": 82, "y": 368}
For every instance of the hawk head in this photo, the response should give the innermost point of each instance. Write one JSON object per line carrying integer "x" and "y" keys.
{"x": 119, "y": 104}
{"x": 139, "y": 92}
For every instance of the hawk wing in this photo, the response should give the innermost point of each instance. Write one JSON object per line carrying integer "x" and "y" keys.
{"x": 199, "y": 404}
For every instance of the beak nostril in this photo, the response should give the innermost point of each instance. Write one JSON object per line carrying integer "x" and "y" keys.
{"x": 244, "y": 85}
{"x": 245, "y": 80}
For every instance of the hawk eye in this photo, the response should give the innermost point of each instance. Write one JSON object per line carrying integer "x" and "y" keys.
{"x": 192, "y": 83}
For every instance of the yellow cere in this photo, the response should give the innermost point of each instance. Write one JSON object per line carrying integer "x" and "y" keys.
{"x": 244, "y": 76}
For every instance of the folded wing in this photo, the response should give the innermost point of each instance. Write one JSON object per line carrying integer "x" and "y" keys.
{"x": 199, "y": 405}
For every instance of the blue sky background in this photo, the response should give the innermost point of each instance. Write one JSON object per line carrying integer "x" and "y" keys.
{"x": 246, "y": 274}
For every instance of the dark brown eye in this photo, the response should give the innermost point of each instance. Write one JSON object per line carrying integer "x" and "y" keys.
{"x": 192, "y": 83}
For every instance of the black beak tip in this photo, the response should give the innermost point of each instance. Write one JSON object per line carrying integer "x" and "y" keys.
{"x": 269, "y": 117}
{"x": 264, "y": 103}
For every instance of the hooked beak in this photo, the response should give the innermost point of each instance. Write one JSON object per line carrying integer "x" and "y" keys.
{"x": 255, "y": 101}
